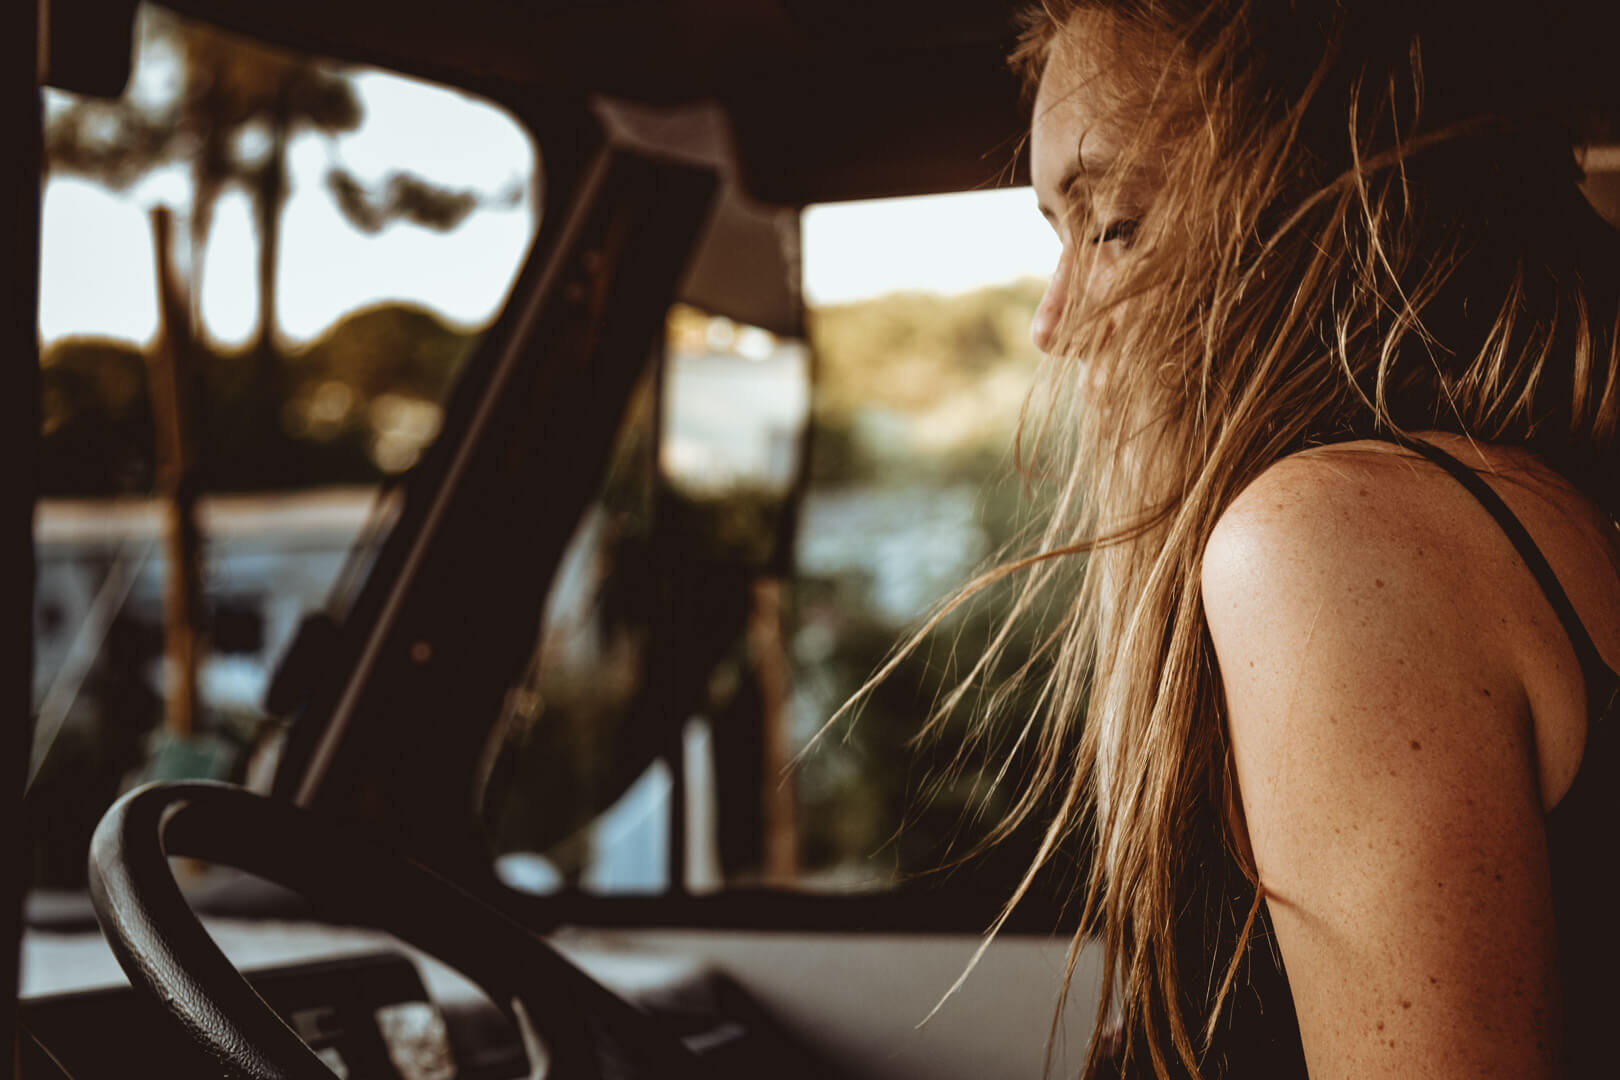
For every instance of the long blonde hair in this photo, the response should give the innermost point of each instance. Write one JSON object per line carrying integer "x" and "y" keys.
{"x": 1356, "y": 233}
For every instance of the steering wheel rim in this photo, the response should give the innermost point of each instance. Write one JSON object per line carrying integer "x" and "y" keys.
{"x": 163, "y": 948}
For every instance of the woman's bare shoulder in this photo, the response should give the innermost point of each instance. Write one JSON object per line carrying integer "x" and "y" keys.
{"x": 1373, "y": 505}
{"x": 1346, "y": 522}
{"x": 1379, "y": 535}
{"x": 1380, "y": 732}
{"x": 1360, "y": 574}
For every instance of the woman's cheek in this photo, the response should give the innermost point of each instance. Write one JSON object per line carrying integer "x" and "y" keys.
{"x": 1100, "y": 270}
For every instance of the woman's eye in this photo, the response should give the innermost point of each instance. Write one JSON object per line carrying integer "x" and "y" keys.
{"x": 1123, "y": 230}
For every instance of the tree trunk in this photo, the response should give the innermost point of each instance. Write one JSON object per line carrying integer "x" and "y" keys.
{"x": 269, "y": 198}
{"x": 769, "y": 660}
{"x": 173, "y": 415}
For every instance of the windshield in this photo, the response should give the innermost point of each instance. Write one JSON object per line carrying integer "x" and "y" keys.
{"x": 261, "y": 274}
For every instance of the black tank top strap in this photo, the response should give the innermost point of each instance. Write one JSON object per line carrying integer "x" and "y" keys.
{"x": 1602, "y": 683}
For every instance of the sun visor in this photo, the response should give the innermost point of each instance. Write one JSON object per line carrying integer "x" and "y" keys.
{"x": 746, "y": 267}
{"x": 909, "y": 123}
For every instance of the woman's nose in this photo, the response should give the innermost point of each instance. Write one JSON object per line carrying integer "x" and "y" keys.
{"x": 1043, "y": 325}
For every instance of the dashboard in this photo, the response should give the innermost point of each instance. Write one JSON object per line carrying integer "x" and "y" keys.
{"x": 372, "y": 1009}
{"x": 366, "y": 1015}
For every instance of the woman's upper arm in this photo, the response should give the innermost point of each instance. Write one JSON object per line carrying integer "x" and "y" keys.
{"x": 1386, "y": 764}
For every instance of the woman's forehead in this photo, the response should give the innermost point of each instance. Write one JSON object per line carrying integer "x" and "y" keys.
{"x": 1072, "y": 127}
{"x": 1093, "y": 95}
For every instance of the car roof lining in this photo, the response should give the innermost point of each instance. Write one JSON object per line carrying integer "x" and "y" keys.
{"x": 829, "y": 99}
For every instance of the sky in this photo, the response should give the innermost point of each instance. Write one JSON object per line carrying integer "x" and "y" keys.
{"x": 97, "y": 275}
{"x": 935, "y": 243}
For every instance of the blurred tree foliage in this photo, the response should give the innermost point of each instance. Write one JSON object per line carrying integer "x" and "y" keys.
{"x": 911, "y": 351}
{"x": 909, "y": 806}
{"x": 875, "y": 787}
{"x": 918, "y": 393}
{"x": 378, "y": 375}
{"x": 355, "y": 403}
{"x": 916, "y": 386}
{"x": 226, "y": 109}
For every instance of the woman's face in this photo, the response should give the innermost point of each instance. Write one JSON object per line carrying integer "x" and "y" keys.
{"x": 1074, "y": 138}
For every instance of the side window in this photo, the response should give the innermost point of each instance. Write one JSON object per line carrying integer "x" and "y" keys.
{"x": 925, "y": 362}
{"x": 260, "y": 273}
{"x": 807, "y": 504}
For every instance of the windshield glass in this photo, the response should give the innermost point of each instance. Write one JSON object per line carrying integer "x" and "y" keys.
{"x": 261, "y": 273}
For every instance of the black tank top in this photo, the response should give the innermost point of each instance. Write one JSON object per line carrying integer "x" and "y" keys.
{"x": 1258, "y": 1034}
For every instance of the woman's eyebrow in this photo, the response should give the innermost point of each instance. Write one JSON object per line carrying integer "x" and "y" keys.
{"x": 1064, "y": 186}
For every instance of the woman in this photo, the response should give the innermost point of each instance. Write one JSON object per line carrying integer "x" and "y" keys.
{"x": 1333, "y": 410}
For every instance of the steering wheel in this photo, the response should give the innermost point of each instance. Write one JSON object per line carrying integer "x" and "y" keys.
{"x": 573, "y": 1027}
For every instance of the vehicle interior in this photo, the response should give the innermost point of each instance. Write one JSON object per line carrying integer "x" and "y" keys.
{"x": 531, "y": 636}
{"x": 678, "y": 143}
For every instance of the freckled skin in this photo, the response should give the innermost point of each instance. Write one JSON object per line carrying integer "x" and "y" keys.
{"x": 1411, "y": 904}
